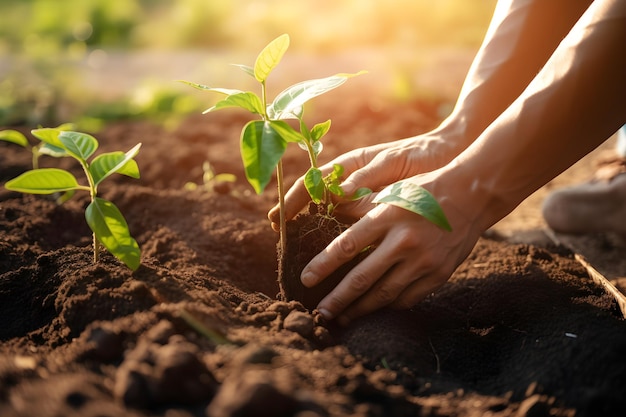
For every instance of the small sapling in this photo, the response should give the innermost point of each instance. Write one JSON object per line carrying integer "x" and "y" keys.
{"x": 263, "y": 143}
{"x": 104, "y": 219}
{"x": 213, "y": 182}
{"x": 42, "y": 148}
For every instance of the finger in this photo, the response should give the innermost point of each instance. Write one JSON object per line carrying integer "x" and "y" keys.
{"x": 360, "y": 278}
{"x": 384, "y": 168}
{"x": 350, "y": 211}
{"x": 390, "y": 274}
{"x": 357, "y": 282}
{"x": 386, "y": 289}
{"x": 298, "y": 197}
{"x": 393, "y": 286}
{"x": 418, "y": 290}
{"x": 405, "y": 285}
{"x": 295, "y": 200}
{"x": 342, "y": 249}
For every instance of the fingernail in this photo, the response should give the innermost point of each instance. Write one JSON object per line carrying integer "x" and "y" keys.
{"x": 325, "y": 313}
{"x": 308, "y": 279}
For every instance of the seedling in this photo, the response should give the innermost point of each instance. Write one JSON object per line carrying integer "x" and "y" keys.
{"x": 212, "y": 181}
{"x": 263, "y": 142}
{"x": 42, "y": 148}
{"x": 104, "y": 219}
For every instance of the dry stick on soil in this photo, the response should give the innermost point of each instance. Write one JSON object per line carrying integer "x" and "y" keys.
{"x": 594, "y": 274}
{"x": 604, "y": 282}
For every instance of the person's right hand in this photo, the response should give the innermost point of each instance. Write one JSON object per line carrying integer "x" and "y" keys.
{"x": 374, "y": 167}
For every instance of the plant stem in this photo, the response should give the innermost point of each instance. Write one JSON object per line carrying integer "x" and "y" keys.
{"x": 96, "y": 249}
{"x": 281, "y": 205}
{"x": 35, "y": 151}
{"x": 264, "y": 100}
{"x": 279, "y": 179}
{"x": 93, "y": 191}
{"x": 311, "y": 151}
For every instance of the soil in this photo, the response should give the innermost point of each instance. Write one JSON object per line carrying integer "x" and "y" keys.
{"x": 309, "y": 233}
{"x": 197, "y": 330}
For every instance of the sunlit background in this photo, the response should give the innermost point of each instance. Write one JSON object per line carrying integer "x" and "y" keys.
{"x": 97, "y": 60}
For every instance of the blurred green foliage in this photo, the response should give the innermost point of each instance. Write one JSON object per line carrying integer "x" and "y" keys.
{"x": 44, "y": 44}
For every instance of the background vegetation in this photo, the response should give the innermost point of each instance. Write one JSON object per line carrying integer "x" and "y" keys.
{"x": 44, "y": 44}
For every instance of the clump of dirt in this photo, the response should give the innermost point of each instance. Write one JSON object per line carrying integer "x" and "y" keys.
{"x": 307, "y": 235}
{"x": 197, "y": 330}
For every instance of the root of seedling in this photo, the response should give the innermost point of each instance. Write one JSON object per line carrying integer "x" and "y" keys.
{"x": 307, "y": 235}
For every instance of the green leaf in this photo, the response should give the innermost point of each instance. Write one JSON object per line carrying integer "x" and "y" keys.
{"x": 333, "y": 180}
{"x": 416, "y": 199}
{"x": 245, "y": 100}
{"x": 49, "y": 135}
{"x": 225, "y": 91}
{"x": 79, "y": 145}
{"x": 360, "y": 193}
{"x": 106, "y": 164}
{"x": 51, "y": 150}
{"x": 261, "y": 150}
{"x": 288, "y": 133}
{"x": 286, "y": 102}
{"x": 269, "y": 57}
{"x": 111, "y": 229}
{"x": 14, "y": 136}
{"x": 317, "y": 147}
{"x": 314, "y": 183}
{"x": 319, "y": 130}
{"x": 245, "y": 68}
{"x": 44, "y": 181}
{"x": 336, "y": 173}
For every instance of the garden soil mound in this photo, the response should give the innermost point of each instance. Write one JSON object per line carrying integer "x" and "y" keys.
{"x": 197, "y": 330}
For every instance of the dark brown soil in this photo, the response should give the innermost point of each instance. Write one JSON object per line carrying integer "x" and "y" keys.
{"x": 520, "y": 329}
{"x": 307, "y": 235}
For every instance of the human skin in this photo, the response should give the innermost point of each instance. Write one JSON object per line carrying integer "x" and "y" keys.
{"x": 510, "y": 133}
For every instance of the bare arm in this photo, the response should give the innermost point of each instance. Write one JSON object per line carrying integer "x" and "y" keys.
{"x": 520, "y": 38}
{"x": 574, "y": 103}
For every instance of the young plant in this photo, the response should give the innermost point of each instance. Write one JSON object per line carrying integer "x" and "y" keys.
{"x": 104, "y": 219}
{"x": 264, "y": 141}
{"x": 42, "y": 148}
{"x": 212, "y": 181}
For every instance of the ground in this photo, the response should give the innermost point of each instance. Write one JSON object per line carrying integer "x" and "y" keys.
{"x": 197, "y": 330}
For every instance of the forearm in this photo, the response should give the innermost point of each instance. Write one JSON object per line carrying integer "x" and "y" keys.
{"x": 575, "y": 102}
{"x": 520, "y": 39}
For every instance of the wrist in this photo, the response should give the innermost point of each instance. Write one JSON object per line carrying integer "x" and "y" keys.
{"x": 469, "y": 204}
{"x": 457, "y": 132}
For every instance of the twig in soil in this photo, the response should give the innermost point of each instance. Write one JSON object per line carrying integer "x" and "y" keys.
{"x": 436, "y": 356}
{"x": 210, "y": 334}
{"x": 601, "y": 280}
{"x": 594, "y": 274}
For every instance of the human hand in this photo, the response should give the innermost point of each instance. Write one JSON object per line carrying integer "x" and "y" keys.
{"x": 411, "y": 258}
{"x": 374, "y": 167}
